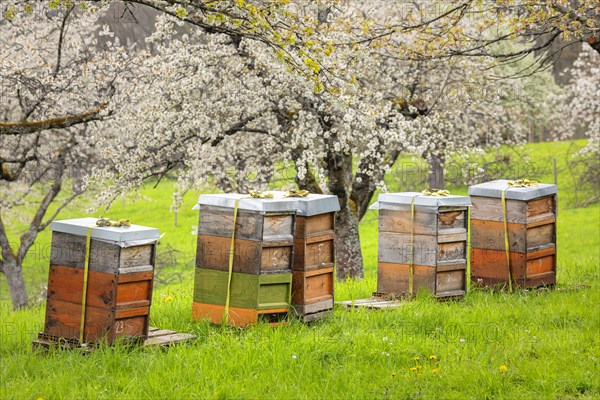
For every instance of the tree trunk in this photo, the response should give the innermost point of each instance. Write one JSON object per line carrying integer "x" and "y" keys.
{"x": 13, "y": 271}
{"x": 348, "y": 252}
{"x": 436, "y": 172}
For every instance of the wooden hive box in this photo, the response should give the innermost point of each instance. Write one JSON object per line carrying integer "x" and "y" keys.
{"x": 262, "y": 257}
{"x": 251, "y": 296}
{"x": 439, "y": 251}
{"x": 531, "y": 223}
{"x": 264, "y": 234}
{"x": 314, "y": 256}
{"x": 119, "y": 284}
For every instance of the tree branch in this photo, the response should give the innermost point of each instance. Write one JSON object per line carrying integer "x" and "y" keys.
{"x": 27, "y": 127}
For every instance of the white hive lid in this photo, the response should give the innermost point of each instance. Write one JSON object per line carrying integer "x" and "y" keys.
{"x": 495, "y": 188}
{"x": 123, "y": 236}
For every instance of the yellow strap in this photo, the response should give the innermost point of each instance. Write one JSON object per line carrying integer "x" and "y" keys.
{"x": 506, "y": 241}
{"x": 468, "y": 277}
{"x": 85, "y": 285}
{"x": 411, "y": 267}
{"x": 231, "y": 257}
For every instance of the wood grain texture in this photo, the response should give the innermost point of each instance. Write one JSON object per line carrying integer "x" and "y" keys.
{"x": 131, "y": 312}
{"x": 314, "y": 225}
{"x": 66, "y": 284}
{"x": 544, "y": 207}
{"x": 276, "y": 259}
{"x": 134, "y": 291}
{"x": 392, "y": 278}
{"x": 451, "y": 251}
{"x": 63, "y": 318}
{"x": 490, "y": 209}
{"x": 136, "y": 326}
{"x": 452, "y": 220}
{"x": 490, "y": 235}
{"x": 314, "y": 253}
{"x": 136, "y": 256}
{"x": 237, "y": 316}
{"x": 316, "y": 307}
{"x": 488, "y": 267}
{"x": 278, "y": 227}
{"x": 218, "y": 221}
{"x": 250, "y": 256}
{"x": 69, "y": 250}
{"x": 213, "y": 253}
{"x": 395, "y": 248}
{"x": 518, "y": 212}
{"x": 540, "y": 235}
{"x": 247, "y": 291}
{"x": 313, "y": 286}
{"x": 449, "y": 281}
{"x": 397, "y": 221}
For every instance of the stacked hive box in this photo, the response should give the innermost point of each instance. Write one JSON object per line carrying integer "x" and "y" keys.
{"x": 119, "y": 283}
{"x": 439, "y": 229}
{"x": 531, "y": 222}
{"x": 314, "y": 256}
{"x": 262, "y": 259}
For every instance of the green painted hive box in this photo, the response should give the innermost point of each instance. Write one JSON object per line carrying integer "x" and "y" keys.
{"x": 248, "y": 291}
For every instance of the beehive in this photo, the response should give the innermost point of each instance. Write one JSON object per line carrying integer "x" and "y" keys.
{"x": 438, "y": 227}
{"x": 119, "y": 284}
{"x": 531, "y": 224}
{"x": 262, "y": 258}
{"x": 314, "y": 256}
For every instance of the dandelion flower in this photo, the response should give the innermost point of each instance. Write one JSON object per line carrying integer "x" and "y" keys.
{"x": 416, "y": 358}
{"x": 503, "y": 369}
{"x": 432, "y": 357}
{"x": 167, "y": 298}
{"x": 435, "y": 370}
{"x": 419, "y": 367}
{"x": 413, "y": 369}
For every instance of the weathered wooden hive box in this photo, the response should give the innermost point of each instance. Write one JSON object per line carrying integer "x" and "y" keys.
{"x": 262, "y": 258}
{"x": 531, "y": 223}
{"x": 119, "y": 283}
{"x": 314, "y": 256}
{"x": 439, "y": 235}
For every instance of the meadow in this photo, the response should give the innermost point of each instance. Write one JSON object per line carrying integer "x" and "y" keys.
{"x": 541, "y": 343}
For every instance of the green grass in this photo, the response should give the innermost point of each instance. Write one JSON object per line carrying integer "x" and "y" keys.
{"x": 547, "y": 339}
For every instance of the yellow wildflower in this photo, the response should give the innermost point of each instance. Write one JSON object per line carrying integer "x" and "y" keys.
{"x": 167, "y": 298}
{"x": 503, "y": 369}
{"x": 416, "y": 358}
{"x": 432, "y": 358}
{"x": 435, "y": 370}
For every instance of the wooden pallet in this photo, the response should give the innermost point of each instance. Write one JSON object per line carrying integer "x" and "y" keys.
{"x": 373, "y": 303}
{"x": 156, "y": 337}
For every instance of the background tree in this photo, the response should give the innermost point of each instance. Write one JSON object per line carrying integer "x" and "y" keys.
{"x": 206, "y": 103}
{"x": 57, "y": 83}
